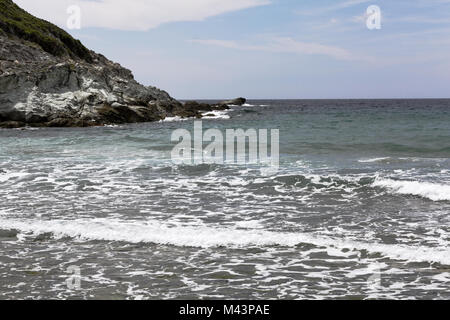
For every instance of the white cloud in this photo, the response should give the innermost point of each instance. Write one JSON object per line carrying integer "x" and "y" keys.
{"x": 289, "y": 45}
{"x": 335, "y": 7}
{"x": 349, "y": 3}
{"x": 134, "y": 14}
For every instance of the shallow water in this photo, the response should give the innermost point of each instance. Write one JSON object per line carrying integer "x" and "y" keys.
{"x": 358, "y": 209}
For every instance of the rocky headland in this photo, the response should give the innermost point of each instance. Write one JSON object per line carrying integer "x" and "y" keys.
{"x": 49, "y": 79}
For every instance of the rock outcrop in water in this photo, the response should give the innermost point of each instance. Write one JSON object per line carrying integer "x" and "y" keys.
{"x": 47, "y": 78}
{"x": 235, "y": 102}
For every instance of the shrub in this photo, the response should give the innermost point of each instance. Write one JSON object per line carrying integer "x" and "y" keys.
{"x": 17, "y": 22}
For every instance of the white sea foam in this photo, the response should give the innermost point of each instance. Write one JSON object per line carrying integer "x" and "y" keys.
{"x": 216, "y": 115}
{"x": 373, "y": 160}
{"x": 172, "y": 119}
{"x": 432, "y": 191}
{"x": 5, "y": 176}
{"x": 209, "y": 237}
{"x": 243, "y": 105}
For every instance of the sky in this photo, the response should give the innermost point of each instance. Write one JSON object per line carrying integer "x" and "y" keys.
{"x": 269, "y": 49}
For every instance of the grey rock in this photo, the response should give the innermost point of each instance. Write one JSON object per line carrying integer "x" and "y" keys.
{"x": 47, "y": 78}
{"x": 39, "y": 89}
{"x": 235, "y": 102}
{"x": 194, "y": 106}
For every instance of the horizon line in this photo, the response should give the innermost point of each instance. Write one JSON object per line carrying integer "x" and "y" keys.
{"x": 255, "y": 99}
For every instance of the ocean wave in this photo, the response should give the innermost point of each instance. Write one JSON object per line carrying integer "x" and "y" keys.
{"x": 6, "y": 175}
{"x": 432, "y": 191}
{"x": 209, "y": 237}
{"x": 216, "y": 115}
{"x": 173, "y": 119}
{"x": 381, "y": 148}
{"x": 390, "y": 160}
{"x": 374, "y": 160}
{"x": 322, "y": 182}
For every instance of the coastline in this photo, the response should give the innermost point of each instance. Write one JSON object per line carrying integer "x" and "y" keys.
{"x": 67, "y": 85}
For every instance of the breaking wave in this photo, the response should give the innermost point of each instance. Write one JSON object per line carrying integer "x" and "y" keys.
{"x": 432, "y": 191}
{"x": 208, "y": 237}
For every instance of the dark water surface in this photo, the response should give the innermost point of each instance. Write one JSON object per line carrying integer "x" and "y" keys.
{"x": 358, "y": 209}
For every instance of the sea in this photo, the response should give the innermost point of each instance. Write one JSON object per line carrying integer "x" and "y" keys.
{"x": 359, "y": 208}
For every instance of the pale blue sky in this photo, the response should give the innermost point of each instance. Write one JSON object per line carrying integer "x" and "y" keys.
{"x": 270, "y": 48}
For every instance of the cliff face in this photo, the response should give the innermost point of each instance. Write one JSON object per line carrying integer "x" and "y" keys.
{"x": 47, "y": 78}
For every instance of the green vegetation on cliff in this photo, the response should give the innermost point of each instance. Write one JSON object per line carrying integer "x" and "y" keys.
{"x": 15, "y": 21}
